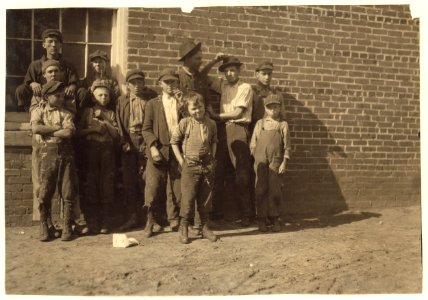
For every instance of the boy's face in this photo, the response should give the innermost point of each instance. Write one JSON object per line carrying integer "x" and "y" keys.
{"x": 169, "y": 85}
{"x": 196, "y": 110}
{"x": 273, "y": 110}
{"x": 56, "y": 99}
{"x": 51, "y": 73}
{"x": 101, "y": 96}
{"x": 194, "y": 62}
{"x": 136, "y": 86}
{"x": 99, "y": 65}
{"x": 264, "y": 77}
{"x": 52, "y": 45}
{"x": 232, "y": 74}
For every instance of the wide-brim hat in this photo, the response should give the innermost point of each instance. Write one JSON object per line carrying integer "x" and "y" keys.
{"x": 188, "y": 48}
{"x": 229, "y": 61}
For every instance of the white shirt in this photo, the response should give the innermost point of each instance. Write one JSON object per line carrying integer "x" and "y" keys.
{"x": 171, "y": 114}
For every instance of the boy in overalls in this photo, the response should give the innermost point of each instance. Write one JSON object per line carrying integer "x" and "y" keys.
{"x": 270, "y": 147}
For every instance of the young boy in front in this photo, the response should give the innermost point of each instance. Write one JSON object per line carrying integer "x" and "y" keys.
{"x": 98, "y": 128}
{"x": 197, "y": 135}
{"x": 270, "y": 147}
{"x": 54, "y": 127}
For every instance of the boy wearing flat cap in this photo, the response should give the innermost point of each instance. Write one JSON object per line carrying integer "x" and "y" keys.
{"x": 34, "y": 79}
{"x": 234, "y": 117}
{"x": 162, "y": 116}
{"x": 97, "y": 128}
{"x": 270, "y": 147}
{"x": 99, "y": 70}
{"x": 54, "y": 126}
{"x": 130, "y": 112}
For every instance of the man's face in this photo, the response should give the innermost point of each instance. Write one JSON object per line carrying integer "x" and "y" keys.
{"x": 169, "y": 85}
{"x": 52, "y": 45}
{"x": 136, "y": 86}
{"x": 264, "y": 77}
{"x": 51, "y": 73}
{"x": 56, "y": 99}
{"x": 196, "y": 110}
{"x": 194, "y": 62}
{"x": 102, "y": 96}
{"x": 99, "y": 65}
{"x": 232, "y": 74}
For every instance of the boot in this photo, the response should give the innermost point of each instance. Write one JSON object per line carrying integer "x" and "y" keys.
{"x": 276, "y": 225}
{"x": 66, "y": 230}
{"x": 130, "y": 223}
{"x": 105, "y": 223}
{"x": 183, "y": 233}
{"x": 208, "y": 234}
{"x": 53, "y": 233}
{"x": 44, "y": 230}
{"x": 262, "y": 225}
{"x": 148, "y": 230}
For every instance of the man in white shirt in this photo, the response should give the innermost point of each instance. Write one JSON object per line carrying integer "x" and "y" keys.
{"x": 235, "y": 116}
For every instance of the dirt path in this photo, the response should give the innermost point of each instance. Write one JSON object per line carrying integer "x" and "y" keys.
{"x": 354, "y": 252}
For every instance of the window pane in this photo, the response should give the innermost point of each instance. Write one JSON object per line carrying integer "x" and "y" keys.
{"x": 73, "y": 24}
{"x": 18, "y": 57}
{"x": 100, "y": 24}
{"x": 18, "y": 23}
{"x": 11, "y": 84}
{"x": 75, "y": 55}
{"x": 44, "y": 19}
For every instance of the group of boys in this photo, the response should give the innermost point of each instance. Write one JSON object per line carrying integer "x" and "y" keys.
{"x": 175, "y": 148}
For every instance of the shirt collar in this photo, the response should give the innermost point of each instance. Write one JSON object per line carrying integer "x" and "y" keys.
{"x": 263, "y": 87}
{"x": 233, "y": 84}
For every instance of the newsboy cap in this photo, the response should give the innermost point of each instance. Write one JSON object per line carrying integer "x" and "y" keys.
{"x": 168, "y": 73}
{"x": 52, "y": 32}
{"x": 48, "y": 63}
{"x": 99, "y": 84}
{"x": 188, "y": 48}
{"x": 51, "y": 87}
{"x": 272, "y": 98}
{"x": 100, "y": 54}
{"x": 134, "y": 74}
{"x": 229, "y": 61}
{"x": 266, "y": 65}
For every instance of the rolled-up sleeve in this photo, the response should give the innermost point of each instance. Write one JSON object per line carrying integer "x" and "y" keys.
{"x": 244, "y": 96}
{"x": 67, "y": 122}
{"x": 36, "y": 116}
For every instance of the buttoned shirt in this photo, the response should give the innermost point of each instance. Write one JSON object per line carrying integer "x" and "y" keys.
{"x": 136, "y": 114}
{"x": 171, "y": 114}
{"x": 51, "y": 116}
{"x": 195, "y": 136}
{"x": 268, "y": 123}
{"x": 233, "y": 96}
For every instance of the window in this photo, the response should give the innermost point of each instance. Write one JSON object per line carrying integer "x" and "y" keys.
{"x": 84, "y": 30}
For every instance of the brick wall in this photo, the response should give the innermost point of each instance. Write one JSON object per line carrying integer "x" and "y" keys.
{"x": 350, "y": 77}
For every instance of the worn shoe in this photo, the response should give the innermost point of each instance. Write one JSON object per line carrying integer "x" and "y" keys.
{"x": 262, "y": 225}
{"x": 44, "y": 232}
{"x": 245, "y": 222}
{"x": 173, "y": 224}
{"x": 183, "y": 234}
{"x": 130, "y": 223}
{"x": 148, "y": 230}
{"x": 208, "y": 234}
{"x": 66, "y": 233}
{"x": 276, "y": 225}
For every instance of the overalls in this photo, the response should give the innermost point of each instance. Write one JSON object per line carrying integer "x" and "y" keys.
{"x": 268, "y": 156}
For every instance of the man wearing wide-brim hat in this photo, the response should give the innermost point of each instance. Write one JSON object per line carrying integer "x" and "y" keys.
{"x": 192, "y": 77}
{"x": 235, "y": 115}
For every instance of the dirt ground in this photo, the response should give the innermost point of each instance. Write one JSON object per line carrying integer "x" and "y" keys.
{"x": 355, "y": 252}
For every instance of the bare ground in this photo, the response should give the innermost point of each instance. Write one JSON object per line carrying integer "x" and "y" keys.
{"x": 355, "y": 252}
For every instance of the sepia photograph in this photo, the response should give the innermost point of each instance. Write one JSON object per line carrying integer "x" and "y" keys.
{"x": 212, "y": 150}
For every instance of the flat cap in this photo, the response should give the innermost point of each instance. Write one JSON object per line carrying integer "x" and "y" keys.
{"x": 134, "y": 74}
{"x": 99, "y": 84}
{"x": 51, "y": 87}
{"x": 229, "y": 61}
{"x": 188, "y": 48}
{"x": 266, "y": 65}
{"x": 48, "y": 63}
{"x": 98, "y": 53}
{"x": 272, "y": 98}
{"x": 168, "y": 73}
{"x": 52, "y": 32}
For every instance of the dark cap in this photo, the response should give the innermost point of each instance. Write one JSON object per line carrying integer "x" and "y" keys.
{"x": 229, "y": 61}
{"x": 266, "y": 65}
{"x": 99, "y": 84}
{"x": 188, "y": 48}
{"x": 134, "y": 74}
{"x": 48, "y": 63}
{"x": 100, "y": 54}
{"x": 52, "y": 32}
{"x": 272, "y": 98}
{"x": 168, "y": 73}
{"x": 51, "y": 87}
